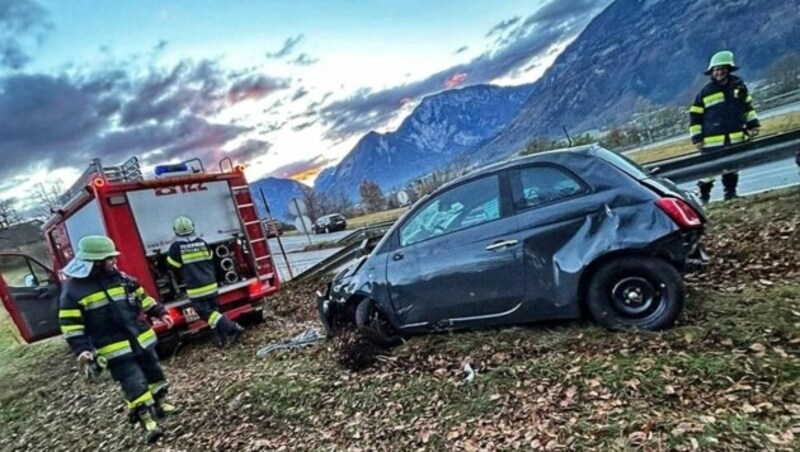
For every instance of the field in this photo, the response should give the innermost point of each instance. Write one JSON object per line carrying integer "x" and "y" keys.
{"x": 726, "y": 377}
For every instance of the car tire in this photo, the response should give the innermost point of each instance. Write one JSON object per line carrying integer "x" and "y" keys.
{"x": 373, "y": 325}
{"x": 636, "y": 293}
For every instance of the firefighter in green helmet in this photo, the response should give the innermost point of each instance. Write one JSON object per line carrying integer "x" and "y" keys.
{"x": 722, "y": 115}
{"x": 100, "y": 317}
{"x": 192, "y": 259}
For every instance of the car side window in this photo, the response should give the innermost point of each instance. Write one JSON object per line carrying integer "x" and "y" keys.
{"x": 466, "y": 205}
{"x": 537, "y": 185}
{"x": 20, "y": 272}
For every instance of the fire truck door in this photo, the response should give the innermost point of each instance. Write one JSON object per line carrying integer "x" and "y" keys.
{"x": 30, "y": 294}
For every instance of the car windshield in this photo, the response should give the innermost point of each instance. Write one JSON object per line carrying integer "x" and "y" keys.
{"x": 473, "y": 203}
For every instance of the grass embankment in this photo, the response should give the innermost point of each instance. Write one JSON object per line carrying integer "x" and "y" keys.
{"x": 769, "y": 126}
{"x": 726, "y": 377}
{"x": 375, "y": 218}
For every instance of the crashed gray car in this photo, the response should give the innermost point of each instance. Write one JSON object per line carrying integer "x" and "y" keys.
{"x": 555, "y": 235}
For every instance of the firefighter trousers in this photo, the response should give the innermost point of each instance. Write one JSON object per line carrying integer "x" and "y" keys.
{"x": 141, "y": 377}
{"x": 208, "y": 310}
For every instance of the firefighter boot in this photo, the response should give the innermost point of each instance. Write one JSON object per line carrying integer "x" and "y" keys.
{"x": 146, "y": 418}
{"x": 235, "y": 333}
{"x": 164, "y": 408}
{"x": 705, "y": 187}
{"x": 219, "y": 336}
{"x": 729, "y": 182}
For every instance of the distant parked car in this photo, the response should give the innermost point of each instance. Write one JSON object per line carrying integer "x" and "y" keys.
{"x": 330, "y": 223}
{"x": 274, "y": 228}
{"x": 548, "y": 236}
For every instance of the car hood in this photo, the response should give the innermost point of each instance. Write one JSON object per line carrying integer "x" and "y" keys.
{"x": 344, "y": 282}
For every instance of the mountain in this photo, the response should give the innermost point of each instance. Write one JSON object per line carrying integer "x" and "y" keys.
{"x": 278, "y": 193}
{"x": 439, "y": 130}
{"x": 648, "y": 49}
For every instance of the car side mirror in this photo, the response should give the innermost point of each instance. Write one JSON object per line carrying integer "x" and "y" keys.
{"x": 31, "y": 281}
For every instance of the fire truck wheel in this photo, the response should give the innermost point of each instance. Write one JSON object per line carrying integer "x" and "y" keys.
{"x": 167, "y": 345}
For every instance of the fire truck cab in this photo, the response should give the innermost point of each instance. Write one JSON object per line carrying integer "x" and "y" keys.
{"x": 137, "y": 213}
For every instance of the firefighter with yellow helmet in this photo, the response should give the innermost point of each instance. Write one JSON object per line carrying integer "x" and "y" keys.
{"x": 191, "y": 257}
{"x": 100, "y": 317}
{"x": 722, "y": 115}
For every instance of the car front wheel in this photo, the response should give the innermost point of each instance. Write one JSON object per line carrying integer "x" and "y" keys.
{"x": 636, "y": 293}
{"x": 373, "y": 325}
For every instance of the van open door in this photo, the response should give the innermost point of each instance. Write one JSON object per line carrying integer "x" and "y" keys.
{"x": 30, "y": 293}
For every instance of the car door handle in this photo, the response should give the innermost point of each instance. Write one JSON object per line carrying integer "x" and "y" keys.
{"x": 503, "y": 244}
{"x": 397, "y": 256}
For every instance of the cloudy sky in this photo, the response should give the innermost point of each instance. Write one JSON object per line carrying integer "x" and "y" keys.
{"x": 285, "y": 86}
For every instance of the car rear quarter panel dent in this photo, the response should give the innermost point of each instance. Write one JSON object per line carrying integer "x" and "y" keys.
{"x": 636, "y": 228}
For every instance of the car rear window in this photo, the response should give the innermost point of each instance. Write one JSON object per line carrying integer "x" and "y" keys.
{"x": 624, "y": 163}
{"x": 537, "y": 185}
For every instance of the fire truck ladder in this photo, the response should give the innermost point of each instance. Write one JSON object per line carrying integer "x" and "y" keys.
{"x": 254, "y": 230}
{"x": 129, "y": 171}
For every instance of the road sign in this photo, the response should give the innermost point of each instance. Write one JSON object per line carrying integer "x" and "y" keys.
{"x": 303, "y": 224}
{"x": 297, "y": 207}
{"x": 402, "y": 197}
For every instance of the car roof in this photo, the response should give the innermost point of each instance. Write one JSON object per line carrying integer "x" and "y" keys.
{"x": 561, "y": 156}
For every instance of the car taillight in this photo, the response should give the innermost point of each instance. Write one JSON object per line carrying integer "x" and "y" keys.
{"x": 681, "y": 212}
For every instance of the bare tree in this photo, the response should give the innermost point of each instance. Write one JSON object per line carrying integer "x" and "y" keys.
{"x": 8, "y": 214}
{"x": 46, "y": 196}
{"x": 371, "y": 196}
{"x": 312, "y": 201}
{"x": 784, "y": 74}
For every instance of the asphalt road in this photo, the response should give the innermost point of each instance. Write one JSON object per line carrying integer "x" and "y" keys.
{"x": 294, "y": 243}
{"x": 756, "y": 179}
{"x": 299, "y": 261}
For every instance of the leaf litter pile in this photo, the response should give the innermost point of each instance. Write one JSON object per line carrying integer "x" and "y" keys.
{"x": 726, "y": 377}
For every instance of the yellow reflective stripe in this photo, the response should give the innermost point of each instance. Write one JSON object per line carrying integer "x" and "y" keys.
{"x": 696, "y": 129}
{"x": 749, "y": 99}
{"x": 148, "y": 303}
{"x": 147, "y": 338}
{"x": 144, "y": 399}
{"x": 72, "y": 334}
{"x": 203, "y": 291}
{"x": 99, "y": 299}
{"x": 155, "y": 388}
{"x": 751, "y": 115}
{"x": 195, "y": 256}
{"x": 713, "y": 99}
{"x": 715, "y": 140}
{"x": 116, "y": 349}
{"x": 213, "y": 319}
{"x": 697, "y": 109}
{"x": 173, "y": 262}
{"x": 736, "y": 137}
{"x": 68, "y": 328}
{"x": 69, "y": 313}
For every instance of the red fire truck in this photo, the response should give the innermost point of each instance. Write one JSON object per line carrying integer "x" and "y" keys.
{"x": 137, "y": 212}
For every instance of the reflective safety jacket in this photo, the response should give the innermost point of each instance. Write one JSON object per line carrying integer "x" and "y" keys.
{"x": 104, "y": 313}
{"x": 720, "y": 114}
{"x": 195, "y": 261}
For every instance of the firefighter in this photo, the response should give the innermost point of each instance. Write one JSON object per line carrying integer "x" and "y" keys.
{"x": 191, "y": 256}
{"x": 722, "y": 115}
{"x": 100, "y": 317}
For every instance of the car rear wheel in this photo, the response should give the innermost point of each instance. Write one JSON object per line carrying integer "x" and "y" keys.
{"x": 373, "y": 325}
{"x": 636, "y": 293}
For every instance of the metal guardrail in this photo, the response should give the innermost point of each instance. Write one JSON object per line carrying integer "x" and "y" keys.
{"x": 356, "y": 244}
{"x": 702, "y": 164}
